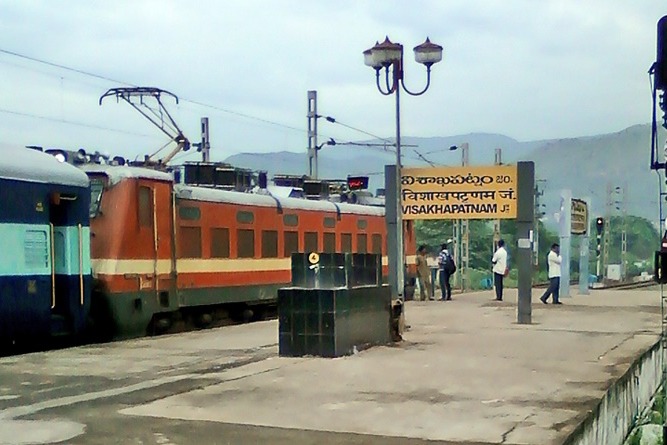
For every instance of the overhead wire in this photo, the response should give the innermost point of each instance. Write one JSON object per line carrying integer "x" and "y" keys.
{"x": 70, "y": 122}
{"x": 184, "y": 99}
{"x": 191, "y": 101}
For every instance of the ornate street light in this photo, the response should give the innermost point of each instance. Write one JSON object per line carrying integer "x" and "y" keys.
{"x": 383, "y": 56}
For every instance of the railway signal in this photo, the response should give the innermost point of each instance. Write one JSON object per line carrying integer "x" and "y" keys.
{"x": 599, "y": 226}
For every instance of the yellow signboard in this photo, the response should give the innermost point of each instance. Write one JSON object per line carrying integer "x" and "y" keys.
{"x": 459, "y": 192}
{"x": 579, "y": 217}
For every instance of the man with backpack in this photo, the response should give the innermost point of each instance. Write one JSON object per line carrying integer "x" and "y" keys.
{"x": 447, "y": 268}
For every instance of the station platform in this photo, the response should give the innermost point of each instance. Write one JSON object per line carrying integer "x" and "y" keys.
{"x": 465, "y": 373}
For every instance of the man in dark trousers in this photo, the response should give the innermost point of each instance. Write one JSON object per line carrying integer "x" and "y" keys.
{"x": 499, "y": 262}
{"x": 447, "y": 268}
{"x": 553, "y": 260}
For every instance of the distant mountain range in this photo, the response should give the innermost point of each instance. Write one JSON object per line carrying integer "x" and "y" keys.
{"x": 586, "y": 165}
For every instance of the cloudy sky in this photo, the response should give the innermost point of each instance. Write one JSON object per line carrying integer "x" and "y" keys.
{"x": 529, "y": 69}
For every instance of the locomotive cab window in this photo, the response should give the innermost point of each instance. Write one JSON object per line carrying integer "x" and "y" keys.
{"x": 96, "y": 190}
{"x": 145, "y": 207}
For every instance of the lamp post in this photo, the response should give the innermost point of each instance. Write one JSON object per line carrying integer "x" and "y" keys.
{"x": 386, "y": 55}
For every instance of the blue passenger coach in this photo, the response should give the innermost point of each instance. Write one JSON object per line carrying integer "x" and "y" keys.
{"x": 45, "y": 269}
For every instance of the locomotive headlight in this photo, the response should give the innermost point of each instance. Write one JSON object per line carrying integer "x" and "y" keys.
{"x": 60, "y": 157}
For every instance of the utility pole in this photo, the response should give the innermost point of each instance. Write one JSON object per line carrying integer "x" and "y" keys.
{"x": 312, "y": 134}
{"x": 624, "y": 233}
{"x": 205, "y": 141}
{"x": 465, "y": 231}
{"x": 536, "y": 229}
{"x": 606, "y": 235}
{"x": 496, "y": 222}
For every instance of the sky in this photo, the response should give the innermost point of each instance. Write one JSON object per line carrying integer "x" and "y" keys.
{"x": 528, "y": 69}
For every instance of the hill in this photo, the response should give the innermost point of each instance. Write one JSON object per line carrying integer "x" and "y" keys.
{"x": 586, "y": 165}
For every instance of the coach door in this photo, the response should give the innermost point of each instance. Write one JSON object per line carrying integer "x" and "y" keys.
{"x": 155, "y": 228}
{"x": 148, "y": 237}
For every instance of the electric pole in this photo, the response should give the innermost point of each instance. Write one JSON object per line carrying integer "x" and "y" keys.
{"x": 496, "y": 222}
{"x": 606, "y": 234}
{"x": 312, "y": 134}
{"x": 205, "y": 141}
{"x": 465, "y": 231}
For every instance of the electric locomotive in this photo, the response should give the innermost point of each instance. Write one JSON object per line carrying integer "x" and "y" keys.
{"x": 165, "y": 252}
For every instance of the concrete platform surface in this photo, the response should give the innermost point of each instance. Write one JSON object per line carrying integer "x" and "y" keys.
{"x": 466, "y": 373}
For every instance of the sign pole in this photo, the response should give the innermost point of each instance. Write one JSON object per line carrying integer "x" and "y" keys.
{"x": 565, "y": 238}
{"x": 525, "y": 217}
{"x": 584, "y": 254}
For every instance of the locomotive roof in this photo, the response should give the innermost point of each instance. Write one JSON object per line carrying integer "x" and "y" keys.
{"x": 30, "y": 165}
{"x": 256, "y": 199}
{"x": 117, "y": 173}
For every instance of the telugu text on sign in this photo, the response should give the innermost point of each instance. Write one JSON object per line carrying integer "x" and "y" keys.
{"x": 459, "y": 192}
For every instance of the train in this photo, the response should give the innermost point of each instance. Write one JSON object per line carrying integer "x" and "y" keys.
{"x": 121, "y": 251}
{"x": 45, "y": 268}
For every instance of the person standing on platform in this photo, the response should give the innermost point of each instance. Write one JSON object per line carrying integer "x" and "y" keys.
{"x": 553, "y": 260}
{"x": 423, "y": 274}
{"x": 447, "y": 268}
{"x": 500, "y": 269}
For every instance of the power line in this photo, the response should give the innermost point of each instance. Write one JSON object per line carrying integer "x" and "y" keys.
{"x": 334, "y": 121}
{"x": 109, "y": 79}
{"x": 57, "y": 65}
{"x": 192, "y": 101}
{"x": 68, "y": 122}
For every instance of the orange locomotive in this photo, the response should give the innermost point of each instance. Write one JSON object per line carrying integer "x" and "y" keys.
{"x": 163, "y": 251}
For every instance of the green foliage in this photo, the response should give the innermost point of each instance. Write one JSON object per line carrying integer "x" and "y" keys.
{"x": 642, "y": 239}
{"x": 655, "y": 418}
{"x": 635, "y": 438}
{"x": 659, "y": 404}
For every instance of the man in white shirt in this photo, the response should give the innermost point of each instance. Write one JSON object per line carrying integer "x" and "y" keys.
{"x": 499, "y": 261}
{"x": 553, "y": 259}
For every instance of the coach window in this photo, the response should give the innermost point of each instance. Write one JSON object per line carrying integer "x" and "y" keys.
{"x": 145, "y": 207}
{"x": 190, "y": 242}
{"x": 362, "y": 224}
{"x": 376, "y": 242}
{"x": 245, "y": 217}
{"x": 346, "y": 242}
{"x": 362, "y": 243}
{"x": 219, "y": 243}
{"x": 269, "y": 244}
{"x": 329, "y": 222}
{"x": 245, "y": 243}
{"x": 329, "y": 242}
{"x": 291, "y": 243}
{"x": 291, "y": 220}
{"x": 310, "y": 242}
